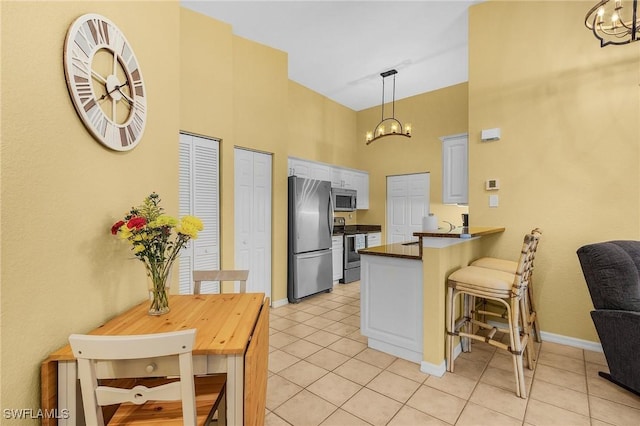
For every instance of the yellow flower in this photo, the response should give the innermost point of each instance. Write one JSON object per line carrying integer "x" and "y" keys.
{"x": 163, "y": 220}
{"x": 137, "y": 248}
{"x": 124, "y": 232}
{"x": 193, "y": 221}
{"x": 189, "y": 226}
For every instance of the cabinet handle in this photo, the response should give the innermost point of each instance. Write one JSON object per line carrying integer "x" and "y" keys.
{"x": 151, "y": 368}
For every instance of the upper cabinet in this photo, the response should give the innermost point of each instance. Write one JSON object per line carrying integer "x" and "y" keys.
{"x": 455, "y": 169}
{"x": 340, "y": 177}
{"x": 309, "y": 169}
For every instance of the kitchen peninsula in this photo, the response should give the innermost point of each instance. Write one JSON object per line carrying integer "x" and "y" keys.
{"x": 403, "y": 292}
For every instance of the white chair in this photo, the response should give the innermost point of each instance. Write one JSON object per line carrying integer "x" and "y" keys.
{"x": 164, "y": 388}
{"x": 240, "y": 275}
{"x": 507, "y": 289}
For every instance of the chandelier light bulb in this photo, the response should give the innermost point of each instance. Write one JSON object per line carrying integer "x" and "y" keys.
{"x": 407, "y": 128}
{"x": 610, "y": 25}
{"x": 395, "y": 127}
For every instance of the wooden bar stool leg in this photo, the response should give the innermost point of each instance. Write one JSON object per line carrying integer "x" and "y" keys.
{"x": 451, "y": 320}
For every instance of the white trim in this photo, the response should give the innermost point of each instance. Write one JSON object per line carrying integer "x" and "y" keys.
{"x": 433, "y": 369}
{"x": 571, "y": 341}
{"x": 562, "y": 340}
{"x": 395, "y": 350}
{"x": 457, "y": 135}
{"x": 279, "y": 303}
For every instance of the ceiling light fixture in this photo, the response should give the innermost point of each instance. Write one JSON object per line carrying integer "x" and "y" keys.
{"x": 395, "y": 127}
{"x": 612, "y": 23}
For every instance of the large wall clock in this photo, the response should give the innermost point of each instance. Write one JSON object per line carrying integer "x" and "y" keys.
{"x": 105, "y": 82}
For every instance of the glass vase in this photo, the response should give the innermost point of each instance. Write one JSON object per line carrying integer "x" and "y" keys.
{"x": 158, "y": 283}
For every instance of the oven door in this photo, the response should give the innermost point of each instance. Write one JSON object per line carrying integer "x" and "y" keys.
{"x": 351, "y": 256}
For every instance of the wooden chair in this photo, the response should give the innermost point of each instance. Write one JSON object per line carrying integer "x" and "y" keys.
{"x": 511, "y": 267}
{"x": 220, "y": 275}
{"x": 141, "y": 392}
{"x": 505, "y": 288}
{"x": 256, "y": 370}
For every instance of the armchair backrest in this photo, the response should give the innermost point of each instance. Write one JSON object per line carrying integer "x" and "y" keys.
{"x": 612, "y": 272}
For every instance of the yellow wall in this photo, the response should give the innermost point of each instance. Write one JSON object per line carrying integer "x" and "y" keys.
{"x": 568, "y": 159}
{"x": 320, "y": 129}
{"x": 432, "y": 115}
{"x": 566, "y": 119}
{"x": 62, "y": 271}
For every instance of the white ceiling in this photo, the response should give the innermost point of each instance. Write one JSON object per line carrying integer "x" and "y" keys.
{"x": 339, "y": 48}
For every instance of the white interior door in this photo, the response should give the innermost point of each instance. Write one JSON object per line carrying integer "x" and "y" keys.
{"x": 407, "y": 203}
{"x": 253, "y": 217}
{"x": 199, "y": 196}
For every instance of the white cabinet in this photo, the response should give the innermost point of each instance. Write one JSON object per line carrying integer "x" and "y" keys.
{"x": 353, "y": 179}
{"x": 309, "y": 169}
{"x": 455, "y": 169}
{"x": 374, "y": 239}
{"x": 340, "y": 177}
{"x": 392, "y": 314}
{"x": 337, "y": 251}
{"x": 361, "y": 185}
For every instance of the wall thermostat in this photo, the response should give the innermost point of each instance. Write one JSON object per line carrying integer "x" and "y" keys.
{"x": 492, "y": 184}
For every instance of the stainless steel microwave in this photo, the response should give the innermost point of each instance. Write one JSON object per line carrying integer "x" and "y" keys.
{"x": 344, "y": 200}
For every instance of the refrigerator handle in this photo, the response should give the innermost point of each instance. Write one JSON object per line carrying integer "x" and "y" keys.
{"x": 330, "y": 215}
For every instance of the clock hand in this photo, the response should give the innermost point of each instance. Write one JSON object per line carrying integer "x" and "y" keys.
{"x": 126, "y": 98}
{"x": 113, "y": 90}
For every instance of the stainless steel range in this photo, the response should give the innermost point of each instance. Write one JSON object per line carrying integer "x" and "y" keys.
{"x": 353, "y": 241}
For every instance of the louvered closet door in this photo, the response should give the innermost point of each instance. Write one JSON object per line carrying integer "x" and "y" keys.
{"x": 199, "y": 196}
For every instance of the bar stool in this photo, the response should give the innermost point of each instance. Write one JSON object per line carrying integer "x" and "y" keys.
{"x": 511, "y": 267}
{"x": 507, "y": 289}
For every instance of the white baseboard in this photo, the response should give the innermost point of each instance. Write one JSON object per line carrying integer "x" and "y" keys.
{"x": 279, "y": 303}
{"x": 571, "y": 341}
{"x": 398, "y": 351}
{"x": 433, "y": 369}
{"x": 564, "y": 340}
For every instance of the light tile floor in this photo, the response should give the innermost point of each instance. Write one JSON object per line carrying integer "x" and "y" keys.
{"x": 321, "y": 372}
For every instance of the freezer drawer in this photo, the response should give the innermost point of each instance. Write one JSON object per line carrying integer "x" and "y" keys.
{"x": 310, "y": 273}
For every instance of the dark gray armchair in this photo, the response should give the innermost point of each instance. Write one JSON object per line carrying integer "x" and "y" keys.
{"x": 612, "y": 272}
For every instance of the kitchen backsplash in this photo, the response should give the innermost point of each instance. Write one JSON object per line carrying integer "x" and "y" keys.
{"x": 349, "y": 217}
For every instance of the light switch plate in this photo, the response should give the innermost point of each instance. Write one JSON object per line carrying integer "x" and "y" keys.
{"x": 493, "y": 201}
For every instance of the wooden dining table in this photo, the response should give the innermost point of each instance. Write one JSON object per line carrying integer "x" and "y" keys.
{"x": 224, "y": 324}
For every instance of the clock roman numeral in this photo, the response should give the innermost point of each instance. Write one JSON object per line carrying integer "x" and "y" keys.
{"x": 99, "y": 31}
{"x": 97, "y": 118}
{"x": 80, "y": 64}
{"x": 111, "y": 134}
{"x": 83, "y": 48}
{"x": 84, "y": 89}
{"x": 138, "y": 86}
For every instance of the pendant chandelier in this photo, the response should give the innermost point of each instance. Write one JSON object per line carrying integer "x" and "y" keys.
{"x": 614, "y": 21}
{"x": 395, "y": 127}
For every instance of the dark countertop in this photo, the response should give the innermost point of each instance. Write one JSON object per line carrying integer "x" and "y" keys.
{"x": 413, "y": 250}
{"x": 400, "y": 250}
{"x": 460, "y": 232}
{"x": 356, "y": 229}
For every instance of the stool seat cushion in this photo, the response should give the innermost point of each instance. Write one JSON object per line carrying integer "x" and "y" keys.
{"x": 495, "y": 263}
{"x": 483, "y": 278}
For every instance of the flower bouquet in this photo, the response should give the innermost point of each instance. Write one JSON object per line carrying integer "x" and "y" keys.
{"x": 151, "y": 235}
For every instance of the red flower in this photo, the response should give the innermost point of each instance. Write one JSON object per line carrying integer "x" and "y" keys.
{"x": 136, "y": 223}
{"x": 116, "y": 226}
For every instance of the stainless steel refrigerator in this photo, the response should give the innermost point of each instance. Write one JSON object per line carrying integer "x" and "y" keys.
{"x": 310, "y": 264}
